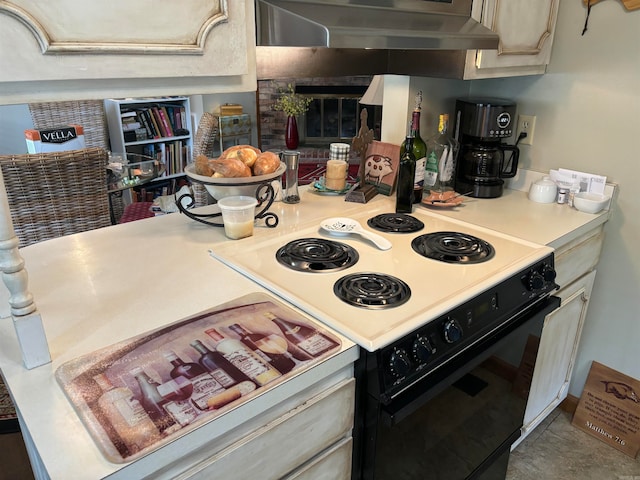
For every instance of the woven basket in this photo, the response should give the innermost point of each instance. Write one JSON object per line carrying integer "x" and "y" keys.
{"x": 55, "y": 194}
{"x": 203, "y": 144}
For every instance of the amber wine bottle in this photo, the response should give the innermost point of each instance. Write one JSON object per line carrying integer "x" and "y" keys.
{"x": 247, "y": 361}
{"x": 126, "y": 414}
{"x": 308, "y": 339}
{"x": 204, "y": 385}
{"x": 272, "y": 348}
{"x": 406, "y": 179}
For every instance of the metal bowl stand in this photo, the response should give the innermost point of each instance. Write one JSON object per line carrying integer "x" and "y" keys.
{"x": 265, "y": 194}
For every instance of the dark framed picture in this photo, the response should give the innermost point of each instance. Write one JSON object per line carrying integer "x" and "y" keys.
{"x": 381, "y": 166}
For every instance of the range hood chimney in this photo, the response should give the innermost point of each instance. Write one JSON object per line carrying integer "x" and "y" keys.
{"x": 361, "y": 37}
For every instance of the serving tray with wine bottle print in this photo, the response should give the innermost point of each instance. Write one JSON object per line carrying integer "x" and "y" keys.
{"x": 141, "y": 393}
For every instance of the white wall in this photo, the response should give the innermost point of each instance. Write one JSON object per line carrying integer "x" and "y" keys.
{"x": 14, "y": 120}
{"x": 588, "y": 111}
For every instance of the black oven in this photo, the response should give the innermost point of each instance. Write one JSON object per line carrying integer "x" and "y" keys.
{"x": 448, "y": 401}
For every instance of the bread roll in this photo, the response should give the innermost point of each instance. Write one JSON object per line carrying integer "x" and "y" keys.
{"x": 246, "y": 153}
{"x": 202, "y": 166}
{"x": 229, "y": 168}
{"x": 237, "y": 147}
{"x": 267, "y": 162}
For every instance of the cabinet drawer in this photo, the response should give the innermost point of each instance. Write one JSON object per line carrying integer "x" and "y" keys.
{"x": 284, "y": 444}
{"x": 332, "y": 464}
{"x": 578, "y": 257}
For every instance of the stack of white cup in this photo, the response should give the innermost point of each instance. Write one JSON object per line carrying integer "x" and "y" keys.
{"x": 337, "y": 166}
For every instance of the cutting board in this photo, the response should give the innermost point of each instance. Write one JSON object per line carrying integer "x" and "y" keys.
{"x": 79, "y": 378}
{"x": 628, "y": 4}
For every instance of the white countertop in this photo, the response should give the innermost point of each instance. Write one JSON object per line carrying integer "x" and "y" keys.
{"x": 100, "y": 287}
{"x": 513, "y": 213}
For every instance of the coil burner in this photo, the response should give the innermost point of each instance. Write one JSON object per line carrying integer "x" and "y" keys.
{"x": 453, "y": 247}
{"x": 316, "y": 255}
{"x": 395, "y": 223}
{"x": 372, "y": 290}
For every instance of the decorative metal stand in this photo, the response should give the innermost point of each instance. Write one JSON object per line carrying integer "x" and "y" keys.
{"x": 265, "y": 194}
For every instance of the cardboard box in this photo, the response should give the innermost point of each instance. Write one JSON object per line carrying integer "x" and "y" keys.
{"x": 57, "y": 139}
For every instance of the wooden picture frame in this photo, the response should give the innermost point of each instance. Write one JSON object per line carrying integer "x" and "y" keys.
{"x": 381, "y": 166}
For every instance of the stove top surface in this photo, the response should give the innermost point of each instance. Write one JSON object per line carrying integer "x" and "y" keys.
{"x": 434, "y": 286}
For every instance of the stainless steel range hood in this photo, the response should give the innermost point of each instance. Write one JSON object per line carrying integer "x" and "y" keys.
{"x": 366, "y": 36}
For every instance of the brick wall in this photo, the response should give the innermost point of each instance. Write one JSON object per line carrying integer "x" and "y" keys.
{"x": 272, "y": 123}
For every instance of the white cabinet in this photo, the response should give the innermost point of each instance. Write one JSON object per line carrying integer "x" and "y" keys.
{"x": 155, "y": 127}
{"x": 574, "y": 262}
{"x": 310, "y": 441}
{"x": 526, "y": 31}
{"x": 557, "y": 352}
{"x": 76, "y": 50}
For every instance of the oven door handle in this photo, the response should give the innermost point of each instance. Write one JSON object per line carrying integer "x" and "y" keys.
{"x": 404, "y": 403}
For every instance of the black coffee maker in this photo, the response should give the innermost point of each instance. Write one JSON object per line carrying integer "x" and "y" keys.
{"x": 483, "y": 160}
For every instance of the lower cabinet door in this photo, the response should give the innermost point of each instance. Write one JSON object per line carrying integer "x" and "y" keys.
{"x": 332, "y": 464}
{"x": 284, "y": 445}
{"x": 557, "y": 352}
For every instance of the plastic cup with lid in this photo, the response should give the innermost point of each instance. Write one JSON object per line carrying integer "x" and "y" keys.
{"x": 238, "y": 215}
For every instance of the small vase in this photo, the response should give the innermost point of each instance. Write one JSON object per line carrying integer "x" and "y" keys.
{"x": 291, "y": 133}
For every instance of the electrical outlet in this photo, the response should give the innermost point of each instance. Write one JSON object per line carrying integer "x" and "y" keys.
{"x": 527, "y": 124}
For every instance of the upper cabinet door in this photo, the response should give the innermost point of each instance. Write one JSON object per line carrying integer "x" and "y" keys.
{"x": 526, "y": 32}
{"x": 206, "y": 44}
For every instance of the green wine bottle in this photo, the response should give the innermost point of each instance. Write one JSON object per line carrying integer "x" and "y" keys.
{"x": 419, "y": 150}
{"x": 406, "y": 178}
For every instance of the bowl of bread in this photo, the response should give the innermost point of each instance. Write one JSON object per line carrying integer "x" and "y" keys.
{"x": 240, "y": 170}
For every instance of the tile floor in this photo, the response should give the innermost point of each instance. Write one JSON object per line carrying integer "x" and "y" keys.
{"x": 556, "y": 450}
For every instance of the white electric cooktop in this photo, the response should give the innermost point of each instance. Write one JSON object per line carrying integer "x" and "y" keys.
{"x": 436, "y": 287}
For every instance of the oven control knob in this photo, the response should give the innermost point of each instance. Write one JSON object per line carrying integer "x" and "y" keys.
{"x": 422, "y": 349}
{"x": 452, "y": 331}
{"x": 548, "y": 273}
{"x": 399, "y": 363}
{"x": 535, "y": 281}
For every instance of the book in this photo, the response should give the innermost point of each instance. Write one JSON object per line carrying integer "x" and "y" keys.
{"x": 177, "y": 118}
{"x": 143, "y": 119}
{"x": 155, "y": 119}
{"x": 131, "y": 126}
{"x": 183, "y": 117}
{"x": 171, "y": 117}
{"x": 164, "y": 116}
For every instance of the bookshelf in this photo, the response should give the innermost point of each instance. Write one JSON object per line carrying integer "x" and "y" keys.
{"x": 156, "y": 127}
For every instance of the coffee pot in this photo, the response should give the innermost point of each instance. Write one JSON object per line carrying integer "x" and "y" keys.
{"x": 483, "y": 160}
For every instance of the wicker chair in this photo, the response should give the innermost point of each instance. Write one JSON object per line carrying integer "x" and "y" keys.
{"x": 88, "y": 113}
{"x": 56, "y": 194}
{"x": 203, "y": 144}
